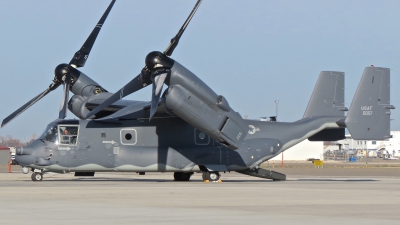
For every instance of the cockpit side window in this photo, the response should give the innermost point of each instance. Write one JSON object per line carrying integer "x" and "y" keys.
{"x": 68, "y": 134}
{"x": 50, "y": 134}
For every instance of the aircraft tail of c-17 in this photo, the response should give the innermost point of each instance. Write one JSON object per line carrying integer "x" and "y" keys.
{"x": 369, "y": 115}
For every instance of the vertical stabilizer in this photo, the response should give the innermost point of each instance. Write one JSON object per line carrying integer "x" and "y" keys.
{"x": 369, "y": 114}
{"x": 327, "y": 98}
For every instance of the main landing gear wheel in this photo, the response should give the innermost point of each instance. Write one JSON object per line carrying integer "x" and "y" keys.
{"x": 37, "y": 177}
{"x": 211, "y": 176}
{"x": 182, "y": 176}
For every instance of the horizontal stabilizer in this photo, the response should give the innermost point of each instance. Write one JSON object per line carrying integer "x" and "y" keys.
{"x": 369, "y": 114}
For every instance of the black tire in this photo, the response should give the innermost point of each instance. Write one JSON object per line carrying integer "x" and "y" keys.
{"x": 33, "y": 177}
{"x": 177, "y": 176}
{"x": 213, "y": 176}
{"x": 186, "y": 176}
{"x": 204, "y": 176}
{"x": 181, "y": 176}
{"x": 37, "y": 177}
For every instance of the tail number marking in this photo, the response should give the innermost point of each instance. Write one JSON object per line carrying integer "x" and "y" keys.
{"x": 239, "y": 135}
{"x": 367, "y": 110}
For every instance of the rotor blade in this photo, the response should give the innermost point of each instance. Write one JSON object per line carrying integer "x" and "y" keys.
{"x": 137, "y": 83}
{"x": 82, "y": 54}
{"x": 29, "y": 104}
{"x": 158, "y": 83}
{"x": 175, "y": 40}
{"x": 64, "y": 102}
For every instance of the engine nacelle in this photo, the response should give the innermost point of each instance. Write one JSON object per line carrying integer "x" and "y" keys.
{"x": 84, "y": 85}
{"x": 77, "y": 105}
{"x": 196, "y": 103}
{"x": 80, "y": 106}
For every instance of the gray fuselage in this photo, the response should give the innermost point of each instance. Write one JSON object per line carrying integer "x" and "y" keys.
{"x": 164, "y": 144}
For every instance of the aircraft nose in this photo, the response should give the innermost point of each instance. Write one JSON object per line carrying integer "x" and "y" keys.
{"x": 24, "y": 160}
{"x": 23, "y": 156}
{"x": 23, "y": 151}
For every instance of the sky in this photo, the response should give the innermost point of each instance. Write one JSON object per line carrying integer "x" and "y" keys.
{"x": 251, "y": 52}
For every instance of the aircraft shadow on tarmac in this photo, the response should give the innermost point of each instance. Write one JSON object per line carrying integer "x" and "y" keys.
{"x": 337, "y": 180}
{"x": 147, "y": 180}
{"x": 102, "y": 179}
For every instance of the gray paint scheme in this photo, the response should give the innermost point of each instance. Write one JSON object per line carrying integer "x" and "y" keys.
{"x": 328, "y": 96}
{"x": 192, "y": 100}
{"x": 369, "y": 115}
{"x": 193, "y": 129}
{"x": 187, "y": 132}
{"x": 88, "y": 94}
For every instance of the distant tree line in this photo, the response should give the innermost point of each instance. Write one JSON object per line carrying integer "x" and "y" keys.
{"x": 11, "y": 141}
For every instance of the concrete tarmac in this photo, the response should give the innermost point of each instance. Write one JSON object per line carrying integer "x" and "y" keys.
{"x": 307, "y": 197}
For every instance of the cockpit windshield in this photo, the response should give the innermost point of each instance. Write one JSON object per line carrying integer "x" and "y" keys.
{"x": 61, "y": 134}
{"x": 50, "y": 134}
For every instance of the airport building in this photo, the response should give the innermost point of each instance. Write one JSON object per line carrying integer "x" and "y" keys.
{"x": 388, "y": 149}
{"x": 303, "y": 151}
{"x": 4, "y": 155}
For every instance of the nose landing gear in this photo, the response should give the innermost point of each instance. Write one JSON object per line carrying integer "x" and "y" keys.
{"x": 37, "y": 176}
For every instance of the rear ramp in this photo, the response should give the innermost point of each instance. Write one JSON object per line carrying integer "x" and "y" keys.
{"x": 263, "y": 173}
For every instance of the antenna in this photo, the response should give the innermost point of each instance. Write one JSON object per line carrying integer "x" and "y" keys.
{"x": 276, "y": 104}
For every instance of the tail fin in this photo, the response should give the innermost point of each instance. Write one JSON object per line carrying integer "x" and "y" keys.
{"x": 369, "y": 114}
{"x": 327, "y": 98}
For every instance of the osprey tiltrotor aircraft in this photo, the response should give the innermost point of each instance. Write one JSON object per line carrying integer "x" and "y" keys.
{"x": 188, "y": 128}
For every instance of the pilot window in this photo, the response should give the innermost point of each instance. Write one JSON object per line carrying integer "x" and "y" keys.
{"x": 68, "y": 134}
